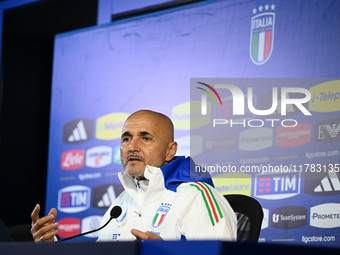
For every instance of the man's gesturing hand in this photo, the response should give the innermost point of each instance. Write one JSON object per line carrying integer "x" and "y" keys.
{"x": 145, "y": 235}
{"x": 43, "y": 229}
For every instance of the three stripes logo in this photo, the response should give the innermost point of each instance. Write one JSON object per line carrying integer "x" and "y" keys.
{"x": 329, "y": 183}
{"x": 107, "y": 198}
{"x": 77, "y": 131}
{"x": 213, "y": 208}
{"x": 204, "y": 97}
{"x": 105, "y": 195}
{"x": 322, "y": 185}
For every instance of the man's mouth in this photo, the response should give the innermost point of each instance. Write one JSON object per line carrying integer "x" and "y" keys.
{"x": 134, "y": 158}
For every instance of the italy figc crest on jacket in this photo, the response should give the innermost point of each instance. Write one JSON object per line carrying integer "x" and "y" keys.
{"x": 160, "y": 215}
{"x": 262, "y": 34}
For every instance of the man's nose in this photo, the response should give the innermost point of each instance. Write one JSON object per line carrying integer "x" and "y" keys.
{"x": 134, "y": 145}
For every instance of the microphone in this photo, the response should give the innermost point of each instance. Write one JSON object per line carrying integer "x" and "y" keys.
{"x": 115, "y": 212}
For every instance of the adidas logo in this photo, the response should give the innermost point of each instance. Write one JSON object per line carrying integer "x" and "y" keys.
{"x": 108, "y": 197}
{"x": 78, "y": 131}
{"x": 104, "y": 195}
{"x": 329, "y": 183}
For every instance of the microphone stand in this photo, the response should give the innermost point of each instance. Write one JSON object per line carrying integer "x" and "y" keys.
{"x": 115, "y": 212}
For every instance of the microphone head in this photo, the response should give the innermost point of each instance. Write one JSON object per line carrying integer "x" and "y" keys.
{"x": 116, "y": 211}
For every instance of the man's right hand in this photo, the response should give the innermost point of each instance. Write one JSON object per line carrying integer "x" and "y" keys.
{"x": 43, "y": 229}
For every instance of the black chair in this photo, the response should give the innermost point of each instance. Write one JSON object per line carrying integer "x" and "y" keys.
{"x": 5, "y": 236}
{"x": 21, "y": 233}
{"x": 249, "y": 216}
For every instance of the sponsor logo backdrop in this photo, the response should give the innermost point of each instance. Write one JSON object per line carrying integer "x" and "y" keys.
{"x": 103, "y": 74}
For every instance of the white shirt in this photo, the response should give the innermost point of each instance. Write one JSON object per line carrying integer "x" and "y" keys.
{"x": 196, "y": 211}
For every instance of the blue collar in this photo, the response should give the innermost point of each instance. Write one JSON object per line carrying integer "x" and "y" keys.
{"x": 180, "y": 170}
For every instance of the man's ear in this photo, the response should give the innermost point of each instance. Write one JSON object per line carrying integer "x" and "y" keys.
{"x": 172, "y": 149}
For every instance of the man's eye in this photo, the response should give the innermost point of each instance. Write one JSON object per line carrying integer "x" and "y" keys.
{"x": 125, "y": 139}
{"x": 147, "y": 138}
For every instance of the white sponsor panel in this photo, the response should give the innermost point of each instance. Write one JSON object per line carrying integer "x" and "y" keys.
{"x": 277, "y": 186}
{"x": 256, "y": 139}
{"x": 325, "y": 215}
{"x": 91, "y": 223}
{"x": 73, "y": 199}
{"x": 265, "y": 221}
{"x": 98, "y": 156}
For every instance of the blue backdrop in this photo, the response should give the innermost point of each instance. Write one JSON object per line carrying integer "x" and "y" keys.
{"x": 103, "y": 74}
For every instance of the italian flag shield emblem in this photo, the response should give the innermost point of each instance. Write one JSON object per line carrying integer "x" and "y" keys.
{"x": 262, "y": 37}
{"x": 160, "y": 215}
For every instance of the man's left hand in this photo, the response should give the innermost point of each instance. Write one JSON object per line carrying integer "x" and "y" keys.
{"x": 145, "y": 235}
